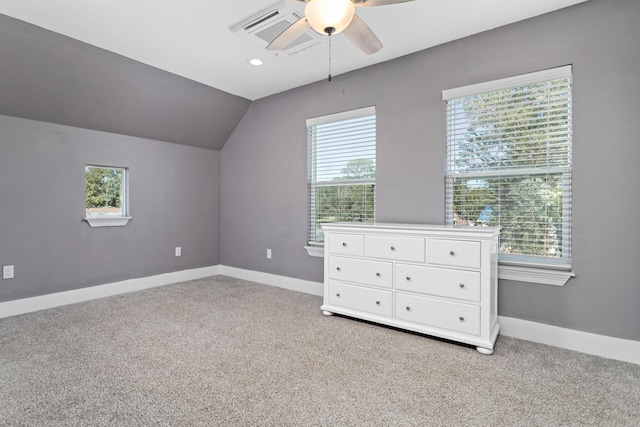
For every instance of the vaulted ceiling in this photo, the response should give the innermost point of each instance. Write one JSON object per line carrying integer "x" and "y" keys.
{"x": 179, "y": 71}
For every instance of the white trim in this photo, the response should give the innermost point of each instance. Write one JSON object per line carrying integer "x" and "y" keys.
{"x": 585, "y": 342}
{"x": 317, "y": 251}
{"x": 570, "y": 339}
{"x": 545, "y": 276}
{"x": 344, "y": 115}
{"x": 509, "y": 82}
{"x": 107, "y": 221}
{"x": 306, "y": 286}
{"x": 42, "y": 302}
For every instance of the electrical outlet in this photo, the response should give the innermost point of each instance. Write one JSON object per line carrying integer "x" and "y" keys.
{"x": 178, "y": 251}
{"x": 7, "y": 272}
{"x": 268, "y": 253}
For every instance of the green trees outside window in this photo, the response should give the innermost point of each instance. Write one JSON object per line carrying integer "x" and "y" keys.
{"x": 105, "y": 190}
{"x": 509, "y": 166}
{"x": 341, "y": 169}
{"x": 341, "y": 201}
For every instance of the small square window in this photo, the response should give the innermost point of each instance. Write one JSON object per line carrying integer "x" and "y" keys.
{"x": 106, "y": 198}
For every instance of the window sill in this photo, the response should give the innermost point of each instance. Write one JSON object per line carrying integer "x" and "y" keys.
{"x": 317, "y": 251}
{"x": 118, "y": 221}
{"x": 544, "y": 276}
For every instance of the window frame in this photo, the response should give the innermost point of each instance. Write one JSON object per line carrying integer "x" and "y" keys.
{"x": 549, "y": 271}
{"x": 316, "y": 248}
{"x": 120, "y": 219}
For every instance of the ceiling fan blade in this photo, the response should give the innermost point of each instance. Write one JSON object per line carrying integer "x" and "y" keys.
{"x": 287, "y": 37}
{"x": 369, "y": 3}
{"x": 361, "y": 35}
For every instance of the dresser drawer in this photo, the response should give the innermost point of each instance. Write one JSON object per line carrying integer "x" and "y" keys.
{"x": 396, "y": 248}
{"x": 346, "y": 244}
{"x": 376, "y": 273}
{"x": 359, "y": 298}
{"x": 455, "y": 253}
{"x": 460, "y": 284}
{"x": 454, "y": 316}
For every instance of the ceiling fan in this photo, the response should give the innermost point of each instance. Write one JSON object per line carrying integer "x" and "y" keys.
{"x": 332, "y": 17}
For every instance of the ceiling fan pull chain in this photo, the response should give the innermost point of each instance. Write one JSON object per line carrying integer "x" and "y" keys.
{"x": 329, "y": 56}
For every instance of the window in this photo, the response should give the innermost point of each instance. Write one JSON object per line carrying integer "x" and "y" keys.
{"x": 106, "y": 196}
{"x": 508, "y": 164}
{"x": 341, "y": 169}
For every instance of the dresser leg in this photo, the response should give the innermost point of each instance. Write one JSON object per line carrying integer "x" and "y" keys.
{"x": 483, "y": 350}
{"x": 327, "y": 313}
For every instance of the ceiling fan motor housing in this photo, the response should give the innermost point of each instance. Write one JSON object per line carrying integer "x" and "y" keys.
{"x": 329, "y": 16}
{"x": 332, "y": 17}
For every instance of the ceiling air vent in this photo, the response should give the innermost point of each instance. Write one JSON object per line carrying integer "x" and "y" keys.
{"x": 270, "y": 22}
{"x": 271, "y": 15}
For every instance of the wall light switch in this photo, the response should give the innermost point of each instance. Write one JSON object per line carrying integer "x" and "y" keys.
{"x": 178, "y": 251}
{"x": 268, "y": 253}
{"x": 7, "y": 272}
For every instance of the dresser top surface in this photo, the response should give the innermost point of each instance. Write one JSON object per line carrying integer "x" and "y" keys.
{"x": 385, "y": 226}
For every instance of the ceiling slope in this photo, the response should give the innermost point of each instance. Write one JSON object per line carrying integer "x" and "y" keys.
{"x": 199, "y": 40}
{"x": 48, "y": 77}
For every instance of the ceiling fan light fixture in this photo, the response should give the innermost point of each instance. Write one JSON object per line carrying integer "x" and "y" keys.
{"x": 329, "y": 16}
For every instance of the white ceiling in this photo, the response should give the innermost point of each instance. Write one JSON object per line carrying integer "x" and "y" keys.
{"x": 191, "y": 38}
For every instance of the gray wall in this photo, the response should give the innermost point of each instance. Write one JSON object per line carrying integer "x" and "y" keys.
{"x": 52, "y": 78}
{"x": 173, "y": 198}
{"x": 263, "y": 164}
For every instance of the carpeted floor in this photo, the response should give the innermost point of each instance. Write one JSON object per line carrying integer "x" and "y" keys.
{"x": 226, "y": 352}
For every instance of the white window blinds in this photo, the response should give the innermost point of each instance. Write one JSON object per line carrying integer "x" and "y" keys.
{"x": 508, "y": 164}
{"x": 341, "y": 169}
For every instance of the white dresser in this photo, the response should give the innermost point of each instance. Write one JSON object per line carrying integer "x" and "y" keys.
{"x": 436, "y": 280}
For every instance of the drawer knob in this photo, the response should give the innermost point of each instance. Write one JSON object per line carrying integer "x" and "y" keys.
{"x": 452, "y": 253}
{"x": 344, "y": 244}
{"x": 338, "y": 294}
{"x": 462, "y": 285}
{"x": 408, "y": 279}
{"x": 377, "y": 302}
{"x": 408, "y": 308}
{"x": 378, "y": 274}
{"x": 461, "y": 318}
{"x": 338, "y": 268}
{"x": 393, "y": 248}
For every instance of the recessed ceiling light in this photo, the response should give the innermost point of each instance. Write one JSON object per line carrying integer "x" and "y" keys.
{"x": 256, "y": 62}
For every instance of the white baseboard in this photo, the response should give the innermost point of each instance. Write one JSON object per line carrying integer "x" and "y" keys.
{"x": 27, "y": 305}
{"x": 599, "y": 345}
{"x": 570, "y": 339}
{"x": 306, "y": 286}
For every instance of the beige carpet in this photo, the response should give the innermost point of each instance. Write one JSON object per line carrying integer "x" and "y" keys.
{"x": 225, "y": 352}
